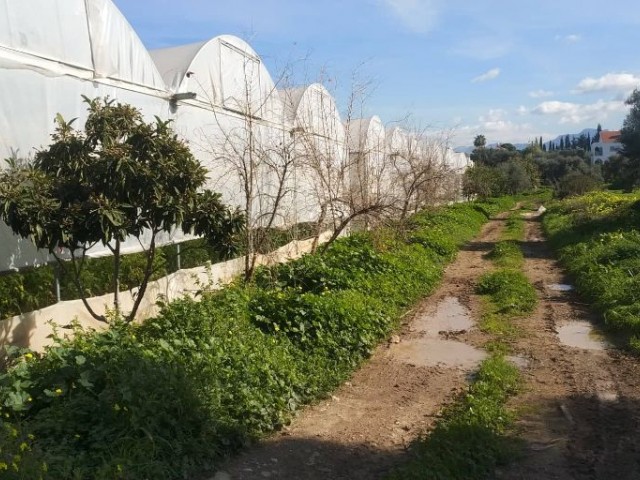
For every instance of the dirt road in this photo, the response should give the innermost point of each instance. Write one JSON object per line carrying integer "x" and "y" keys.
{"x": 579, "y": 413}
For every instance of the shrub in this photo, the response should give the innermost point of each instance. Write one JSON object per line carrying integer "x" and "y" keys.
{"x": 509, "y": 290}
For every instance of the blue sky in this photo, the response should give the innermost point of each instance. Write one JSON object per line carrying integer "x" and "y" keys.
{"x": 511, "y": 70}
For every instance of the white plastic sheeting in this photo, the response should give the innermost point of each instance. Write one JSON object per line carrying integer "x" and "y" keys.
{"x": 51, "y": 53}
{"x": 223, "y": 72}
{"x": 318, "y": 137}
{"x": 54, "y": 51}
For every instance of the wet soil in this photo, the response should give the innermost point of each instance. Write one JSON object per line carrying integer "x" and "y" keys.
{"x": 579, "y": 412}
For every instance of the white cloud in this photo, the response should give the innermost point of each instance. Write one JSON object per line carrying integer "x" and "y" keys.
{"x": 522, "y": 110}
{"x": 571, "y": 38}
{"x": 496, "y": 126}
{"x": 489, "y": 75}
{"x": 611, "y": 82}
{"x": 493, "y": 115}
{"x": 419, "y": 16}
{"x": 577, "y": 112}
{"x": 540, "y": 94}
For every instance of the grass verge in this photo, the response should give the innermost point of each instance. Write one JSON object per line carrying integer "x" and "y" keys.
{"x": 469, "y": 442}
{"x": 597, "y": 239}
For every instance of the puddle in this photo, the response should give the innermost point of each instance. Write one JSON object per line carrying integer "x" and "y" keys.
{"x": 431, "y": 352}
{"x": 580, "y": 334}
{"x": 607, "y": 396}
{"x": 560, "y": 287}
{"x": 450, "y": 316}
{"x": 521, "y": 362}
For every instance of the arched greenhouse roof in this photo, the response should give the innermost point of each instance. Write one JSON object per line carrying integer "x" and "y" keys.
{"x": 366, "y": 135}
{"x": 313, "y": 109}
{"x": 56, "y": 36}
{"x": 397, "y": 141}
{"x": 224, "y": 71}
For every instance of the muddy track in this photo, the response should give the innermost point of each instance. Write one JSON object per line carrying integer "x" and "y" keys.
{"x": 578, "y": 416}
{"x": 580, "y": 412}
{"x": 364, "y": 430}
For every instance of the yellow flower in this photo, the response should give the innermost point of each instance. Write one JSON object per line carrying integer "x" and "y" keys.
{"x": 29, "y": 399}
{"x": 59, "y": 391}
{"x": 28, "y": 356}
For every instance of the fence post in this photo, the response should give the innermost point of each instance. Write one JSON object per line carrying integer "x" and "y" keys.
{"x": 178, "y": 262}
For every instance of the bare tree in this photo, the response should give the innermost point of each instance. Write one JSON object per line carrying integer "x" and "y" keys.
{"x": 421, "y": 170}
{"x": 344, "y": 164}
{"x": 253, "y": 153}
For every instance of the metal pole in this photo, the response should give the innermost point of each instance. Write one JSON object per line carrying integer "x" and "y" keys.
{"x": 56, "y": 275}
{"x": 178, "y": 263}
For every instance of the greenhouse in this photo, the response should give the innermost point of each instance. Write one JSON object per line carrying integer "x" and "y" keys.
{"x": 221, "y": 98}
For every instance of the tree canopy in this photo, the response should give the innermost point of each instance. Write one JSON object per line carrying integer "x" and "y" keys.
{"x": 120, "y": 177}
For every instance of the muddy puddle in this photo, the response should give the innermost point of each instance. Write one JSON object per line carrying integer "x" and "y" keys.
{"x": 450, "y": 316}
{"x": 560, "y": 287}
{"x": 580, "y": 334}
{"x": 431, "y": 348}
{"x": 432, "y": 352}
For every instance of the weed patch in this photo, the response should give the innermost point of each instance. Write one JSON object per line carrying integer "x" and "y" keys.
{"x": 597, "y": 240}
{"x": 510, "y": 292}
{"x": 506, "y": 253}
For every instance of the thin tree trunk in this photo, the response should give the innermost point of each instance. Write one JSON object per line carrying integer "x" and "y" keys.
{"x": 151, "y": 253}
{"x": 116, "y": 278}
{"x": 79, "y": 287}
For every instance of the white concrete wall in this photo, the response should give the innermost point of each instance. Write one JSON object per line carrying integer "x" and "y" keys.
{"x": 34, "y": 329}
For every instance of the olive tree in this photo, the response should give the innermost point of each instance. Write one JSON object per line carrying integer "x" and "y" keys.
{"x": 120, "y": 177}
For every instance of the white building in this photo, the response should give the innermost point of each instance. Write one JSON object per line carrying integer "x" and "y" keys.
{"x": 608, "y": 146}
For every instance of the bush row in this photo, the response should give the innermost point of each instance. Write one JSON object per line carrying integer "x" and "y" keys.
{"x": 181, "y": 391}
{"x": 597, "y": 237}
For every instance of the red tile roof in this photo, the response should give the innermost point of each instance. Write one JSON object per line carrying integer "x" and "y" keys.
{"x": 610, "y": 136}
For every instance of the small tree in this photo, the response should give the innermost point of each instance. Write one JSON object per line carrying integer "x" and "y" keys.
{"x": 121, "y": 177}
{"x": 630, "y": 138}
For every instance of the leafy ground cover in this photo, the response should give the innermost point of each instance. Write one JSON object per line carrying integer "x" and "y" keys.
{"x": 597, "y": 238}
{"x": 177, "y": 393}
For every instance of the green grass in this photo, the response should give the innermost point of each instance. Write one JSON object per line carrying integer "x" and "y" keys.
{"x": 514, "y": 227}
{"x": 597, "y": 239}
{"x": 175, "y": 395}
{"x": 507, "y": 253}
{"x": 510, "y": 292}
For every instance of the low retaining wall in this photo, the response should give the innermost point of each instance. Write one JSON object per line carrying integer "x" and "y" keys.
{"x": 34, "y": 329}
